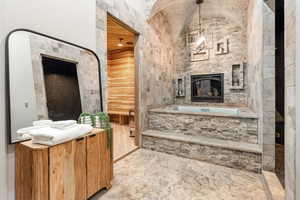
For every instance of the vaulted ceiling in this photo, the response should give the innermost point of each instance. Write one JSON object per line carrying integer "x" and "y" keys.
{"x": 180, "y": 12}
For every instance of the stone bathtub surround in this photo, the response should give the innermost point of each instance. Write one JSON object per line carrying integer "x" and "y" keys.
{"x": 234, "y": 128}
{"x": 87, "y": 71}
{"x": 223, "y": 139}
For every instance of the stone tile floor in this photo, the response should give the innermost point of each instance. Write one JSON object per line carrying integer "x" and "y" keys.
{"x": 148, "y": 175}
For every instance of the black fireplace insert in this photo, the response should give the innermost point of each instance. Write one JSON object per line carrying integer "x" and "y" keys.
{"x": 207, "y": 88}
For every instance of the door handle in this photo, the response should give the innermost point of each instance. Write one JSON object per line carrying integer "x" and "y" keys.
{"x": 79, "y": 139}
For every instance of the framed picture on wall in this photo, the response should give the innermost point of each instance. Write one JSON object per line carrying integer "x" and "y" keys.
{"x": 200, "y": 55}
{"x": 222, "y": 47}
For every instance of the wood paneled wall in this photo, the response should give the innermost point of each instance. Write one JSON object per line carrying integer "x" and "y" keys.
{"x": 121, "y": 82}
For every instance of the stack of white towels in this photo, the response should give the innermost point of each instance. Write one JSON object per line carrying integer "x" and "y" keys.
{"x": 51, "y": 133}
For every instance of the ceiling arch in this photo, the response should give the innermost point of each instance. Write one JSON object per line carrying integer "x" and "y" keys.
{"x": 180, "y": 12}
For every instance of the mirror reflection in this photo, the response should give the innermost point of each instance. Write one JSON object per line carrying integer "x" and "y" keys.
{"x": 49, "y": 79}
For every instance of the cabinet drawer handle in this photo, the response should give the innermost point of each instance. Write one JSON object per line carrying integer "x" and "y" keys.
{"x": 79, "y": 139}
{"x": 92, "y": 135}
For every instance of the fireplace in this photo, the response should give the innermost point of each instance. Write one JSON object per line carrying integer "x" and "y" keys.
{"x": 62, "y": 89}
{"x": 207, "y": 88}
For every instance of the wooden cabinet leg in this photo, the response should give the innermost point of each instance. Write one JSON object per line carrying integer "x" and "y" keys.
{"x": 108, "y": 186}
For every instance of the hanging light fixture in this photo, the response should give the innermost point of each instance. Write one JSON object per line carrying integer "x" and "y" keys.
{"x": 201, "y": 39}
{"x": 120, "y": 44}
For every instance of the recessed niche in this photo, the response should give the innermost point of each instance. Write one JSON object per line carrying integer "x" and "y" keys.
{"x": 237, "y": 76}
{"x": 180, "y": 86}
{"x": 222, "y": 47}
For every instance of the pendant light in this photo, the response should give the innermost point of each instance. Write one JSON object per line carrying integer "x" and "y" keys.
{"x": 201, "y": 39}
{"x": 120, "y": 44}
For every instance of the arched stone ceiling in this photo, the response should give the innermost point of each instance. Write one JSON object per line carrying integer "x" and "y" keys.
{"x": 180, "y": 12}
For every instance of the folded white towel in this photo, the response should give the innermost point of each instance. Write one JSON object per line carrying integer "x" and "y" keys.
{"x": 42, "y": 123}
{"x": 26, "y": 137}
{"x": 23, "y": 131}
{"x": 63, "y": 124}
{"x": 52, "y": 136}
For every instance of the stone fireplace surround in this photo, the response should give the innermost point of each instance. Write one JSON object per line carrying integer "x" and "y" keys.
{"x": 224, "y": 100}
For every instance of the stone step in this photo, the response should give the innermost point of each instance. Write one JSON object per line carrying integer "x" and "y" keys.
{"x": 237, "y": 129}
{"x": 275, "y": 191}
{"x": 226, "y": 153}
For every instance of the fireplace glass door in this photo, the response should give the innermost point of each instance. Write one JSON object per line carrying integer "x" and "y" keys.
{"x": 207, "y": 88}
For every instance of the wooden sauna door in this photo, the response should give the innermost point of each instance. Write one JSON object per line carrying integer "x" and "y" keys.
{"x": 67, "y": 168}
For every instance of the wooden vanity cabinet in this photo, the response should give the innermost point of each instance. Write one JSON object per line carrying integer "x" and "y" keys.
{"x": 74, "y": 170}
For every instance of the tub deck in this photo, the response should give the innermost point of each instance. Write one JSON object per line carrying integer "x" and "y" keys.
{"x": 244, "y": 112}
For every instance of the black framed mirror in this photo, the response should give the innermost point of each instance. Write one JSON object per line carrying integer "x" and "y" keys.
{"x": 48, "y": 78}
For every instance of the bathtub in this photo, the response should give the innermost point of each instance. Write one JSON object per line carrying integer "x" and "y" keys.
{"x": 203, "y": 109}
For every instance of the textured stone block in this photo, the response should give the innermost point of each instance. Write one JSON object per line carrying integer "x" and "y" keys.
{"x": 221, "y": 156}
{"x": 225, "y": 128}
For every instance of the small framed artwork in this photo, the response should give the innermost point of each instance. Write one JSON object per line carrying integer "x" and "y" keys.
{"x": 222, "y": 47}
{"x": 200, "y": 55}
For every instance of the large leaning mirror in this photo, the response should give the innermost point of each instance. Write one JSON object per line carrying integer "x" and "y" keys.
{"x": 48, "y": 78}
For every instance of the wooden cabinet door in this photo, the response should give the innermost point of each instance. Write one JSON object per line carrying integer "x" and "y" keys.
{"x": 67, "y": 165}
{"x": 31, "y": 173}
{"x": 105, "y": 169}
{"x": 93, "y": 164}
{"x": 99, "y": 163}
{"x": 80, "y": 169}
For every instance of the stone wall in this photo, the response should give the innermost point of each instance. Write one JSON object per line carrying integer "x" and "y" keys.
{"x": 291, "y": 136}
{"x": 87, "y": 72}
{"x": 154, "y": 53}
{"x": 261, "y": 72}
{"x": 216, "y": 27}
{"x": 255, "y": 56}
{"x": 268, "y": 94}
